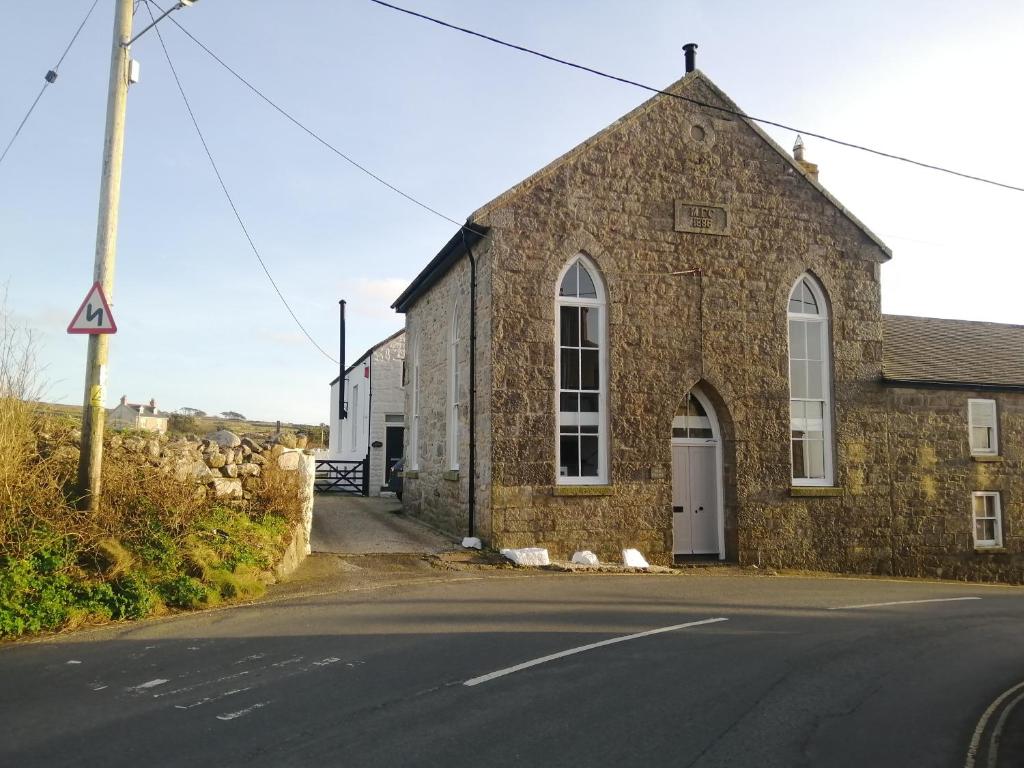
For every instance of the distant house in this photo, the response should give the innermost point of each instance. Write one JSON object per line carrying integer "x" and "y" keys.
{"x": 137, "y": 416}
{"x": 374, "y": 420}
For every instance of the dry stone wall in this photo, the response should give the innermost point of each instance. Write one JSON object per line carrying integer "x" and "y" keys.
{"x": 226, "y": 467}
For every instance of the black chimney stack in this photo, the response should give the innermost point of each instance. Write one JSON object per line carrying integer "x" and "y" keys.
{"x": 690, "y": 50}
{"x": 341, "y": 365}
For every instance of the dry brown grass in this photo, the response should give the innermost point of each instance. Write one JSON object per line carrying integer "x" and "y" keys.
{"x": 33, "y": 507}
{"x": 277, "y": 493}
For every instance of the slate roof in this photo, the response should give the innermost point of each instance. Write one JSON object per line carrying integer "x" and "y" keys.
{"x": 960, "y": 353}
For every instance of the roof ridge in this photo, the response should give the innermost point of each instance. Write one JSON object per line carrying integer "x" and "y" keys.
{"x": 886, "y": 315}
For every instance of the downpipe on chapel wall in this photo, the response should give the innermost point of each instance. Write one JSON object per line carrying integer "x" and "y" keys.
{"x": 472, "y": 385}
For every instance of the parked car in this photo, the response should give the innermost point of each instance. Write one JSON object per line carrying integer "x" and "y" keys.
{"x": 395, "y": 479}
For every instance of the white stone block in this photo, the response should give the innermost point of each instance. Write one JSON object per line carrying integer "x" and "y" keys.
{"x": 586, "y": 557}
{"x": 472, "y": 542}
{"x": 533, "y": 556}
{"x": 631, "y": 558}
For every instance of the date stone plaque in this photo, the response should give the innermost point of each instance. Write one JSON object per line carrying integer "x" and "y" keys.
{"x": 702, "y": 218}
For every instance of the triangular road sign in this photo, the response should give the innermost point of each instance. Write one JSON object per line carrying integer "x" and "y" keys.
{"x": 94, "y": 315}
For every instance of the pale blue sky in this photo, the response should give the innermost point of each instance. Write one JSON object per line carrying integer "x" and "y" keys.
{"x": 454, "y": 121}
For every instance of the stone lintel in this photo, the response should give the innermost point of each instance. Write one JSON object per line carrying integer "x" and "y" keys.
{"x": 817, "y": 491}
{"x": 582, "y": 490}
{"x": 410, "y": 474}
{"x": 451, "y": 474}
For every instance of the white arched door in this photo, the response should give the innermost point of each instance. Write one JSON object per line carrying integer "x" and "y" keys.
{"x": 697, "y": 520}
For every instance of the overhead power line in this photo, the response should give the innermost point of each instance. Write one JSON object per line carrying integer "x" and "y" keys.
{"x": 49, "y": 79}
{"x": 316, "y": 136}
{"x": 690, "y": 100}
{"x": 227, "y": 194}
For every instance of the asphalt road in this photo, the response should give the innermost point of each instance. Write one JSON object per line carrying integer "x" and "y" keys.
{"x": 362, "y": 525}
{"x": 788, "y": 676}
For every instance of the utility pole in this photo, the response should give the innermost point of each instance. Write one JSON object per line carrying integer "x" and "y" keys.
{"x": 93, "y": 414}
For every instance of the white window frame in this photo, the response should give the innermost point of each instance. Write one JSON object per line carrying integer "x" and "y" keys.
{"x": 998, "y": 517}
{"x": 993, "y": 450}
{"x": 823, "y": 317}
{"x": 414, "y": 428}
{"x": 600, "y": 303}
{"x": 454, "y": 387}
{"x": 355, "y": 416}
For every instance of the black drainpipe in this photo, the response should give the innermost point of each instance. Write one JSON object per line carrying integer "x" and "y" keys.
{"x": 472, "y": 384}
{"x": 369, "y": 425}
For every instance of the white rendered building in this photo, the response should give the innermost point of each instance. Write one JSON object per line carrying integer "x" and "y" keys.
{"x": 374, "y": 403}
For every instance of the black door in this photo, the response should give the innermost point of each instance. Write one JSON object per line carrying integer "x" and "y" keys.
{"x": 394, "y": 438}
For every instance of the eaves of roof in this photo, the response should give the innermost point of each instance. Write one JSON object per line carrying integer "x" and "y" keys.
{"x": 467, "y": 236}
{"x": 367, "y": 353}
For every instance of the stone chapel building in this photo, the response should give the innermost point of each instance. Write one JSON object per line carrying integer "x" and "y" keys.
{"x": 671, "y": 338}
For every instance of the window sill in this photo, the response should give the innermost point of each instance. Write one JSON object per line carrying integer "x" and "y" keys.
{"x": 816, "y": 491}
{"x": 986, "y": 457}
{"x": 410, "y": 474}
{"x": 583, "y": 490}
{"x": 451, "y": 474}
{"x": 986, "y": 550}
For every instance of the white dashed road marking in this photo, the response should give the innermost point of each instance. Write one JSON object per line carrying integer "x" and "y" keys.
{"x": 582, "y": 648}
{"x": 150, "y": 684}
{"x": 242, "y": 712}
{"x": 902, "y": 602}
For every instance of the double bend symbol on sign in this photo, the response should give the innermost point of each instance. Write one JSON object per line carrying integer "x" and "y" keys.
{"x": 94, "y": 315}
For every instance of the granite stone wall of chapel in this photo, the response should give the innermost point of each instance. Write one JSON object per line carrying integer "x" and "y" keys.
{"x": 900, "y": 501}
{"x": 615, "y": 200}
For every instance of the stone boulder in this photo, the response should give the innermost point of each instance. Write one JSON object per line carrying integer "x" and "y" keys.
{"x": 286, "y": 439}
{"x": 200, "y": 471}
{"x": 252, "y": 445}
{"x": 226, "y": 487}
{"x": 225, "y": 438}
{"x": 215, "y": 460}
{"x": 134, "y": 444}
{"x": 301, "y": 441}
{"x": 229, "y": 470}
{"x": 288, "y": 461}
{"x": 249, "y": 469}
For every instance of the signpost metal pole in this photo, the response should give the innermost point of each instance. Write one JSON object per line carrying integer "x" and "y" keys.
{"x": 91, "y": 459}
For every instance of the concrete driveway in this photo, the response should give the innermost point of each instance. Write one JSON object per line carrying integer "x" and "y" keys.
{"x": 358, "y": 525}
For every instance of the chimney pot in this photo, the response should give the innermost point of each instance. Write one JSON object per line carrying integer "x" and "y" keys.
{"x": 152, "y": 403}
{"x": 811, "y": 169}
{"x": 690, "y": 51}
{"x": 124, "y": 399}
{"x": 798, "y": 149}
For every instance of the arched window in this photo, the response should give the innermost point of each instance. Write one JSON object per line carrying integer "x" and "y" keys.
{"x": 810, "y": 398}
{"x": 413, "y": 461}
{"x": 691, "y": 421}
{"x": 453, "y": 391}
{"x": 582, "y": 375}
